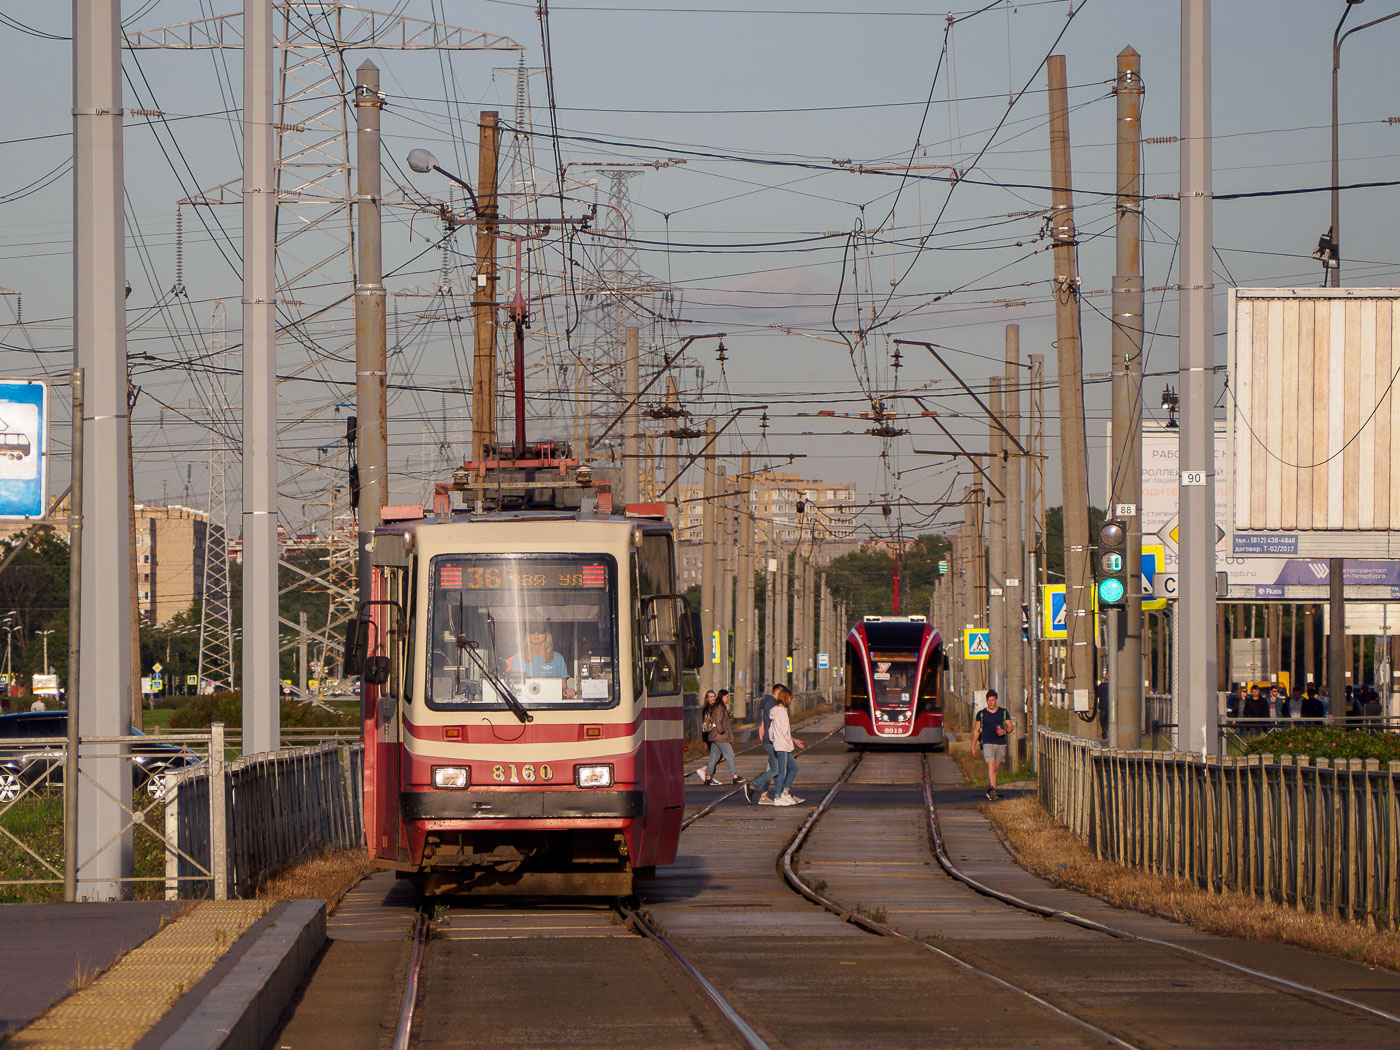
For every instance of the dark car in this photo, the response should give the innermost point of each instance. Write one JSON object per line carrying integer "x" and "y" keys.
{"x": 40, "y": 762}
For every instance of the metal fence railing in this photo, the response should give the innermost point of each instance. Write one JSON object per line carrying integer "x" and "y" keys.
{"x": 38, "y": 827}
{"x": 1322, "y": 836}
{"x": 232, "y": 825}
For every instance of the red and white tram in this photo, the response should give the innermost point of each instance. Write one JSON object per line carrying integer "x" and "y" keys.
{"x": 894, "y": 682}
{"x": 522, "y": 673}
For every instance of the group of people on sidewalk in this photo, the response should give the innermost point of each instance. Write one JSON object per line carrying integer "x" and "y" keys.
{"x": 774, "y": 786}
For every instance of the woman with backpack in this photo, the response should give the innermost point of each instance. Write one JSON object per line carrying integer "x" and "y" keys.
{"x": 718, "y": 731}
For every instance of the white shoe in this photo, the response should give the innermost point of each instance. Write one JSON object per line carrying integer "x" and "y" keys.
{"x": 785, "y": 800}
{"x": 764, "y": 800}
{"x": 792, "y": 800}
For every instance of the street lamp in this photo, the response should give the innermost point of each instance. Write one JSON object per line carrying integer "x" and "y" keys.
{"x": 45, "y": 635}
{"x": 1328, "y": 250}
{"x": 11, "y": 625}
{"x": 422, "y": 161}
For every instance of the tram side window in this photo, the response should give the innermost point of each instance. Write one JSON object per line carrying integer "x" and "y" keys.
{"x": 857, "y": 687}
{"x": 931, "y": 682}
{"x": 656, "y": 575}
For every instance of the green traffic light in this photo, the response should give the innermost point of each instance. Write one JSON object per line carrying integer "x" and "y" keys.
{"x": 1110, "y": 591}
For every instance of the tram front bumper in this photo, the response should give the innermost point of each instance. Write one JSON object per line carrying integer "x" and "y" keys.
{"x": 521, "y": 805}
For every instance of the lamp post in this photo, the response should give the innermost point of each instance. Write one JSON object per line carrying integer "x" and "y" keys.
{"x": 45, "y": 635}
{"x": 11, "y": 625}
{"x": 1329, "y": 249}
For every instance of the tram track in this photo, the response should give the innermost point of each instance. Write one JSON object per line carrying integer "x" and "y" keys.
{"x": 1057, "y": 914}
{"x": 630, "y": 915}
{"x": 869, "y": 923}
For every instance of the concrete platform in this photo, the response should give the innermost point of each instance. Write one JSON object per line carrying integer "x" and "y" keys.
{"x": 148, "y": 974}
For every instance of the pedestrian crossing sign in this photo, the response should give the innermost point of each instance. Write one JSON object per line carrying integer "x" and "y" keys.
{"x": 977, "y": 645}
{"x": 1052, "y": 604}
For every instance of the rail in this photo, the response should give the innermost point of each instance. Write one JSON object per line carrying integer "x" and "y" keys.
{"x": 234, "y": 824}
{"x": 1322, "y": 836}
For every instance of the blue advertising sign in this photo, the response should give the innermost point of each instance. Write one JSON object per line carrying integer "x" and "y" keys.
{"x": 24, "y": 414}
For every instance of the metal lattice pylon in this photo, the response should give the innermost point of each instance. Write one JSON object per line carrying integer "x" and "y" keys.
{"x": 216, "y": 662}
{"x": 315, "y": 260}
{"x": 622, "y": 296}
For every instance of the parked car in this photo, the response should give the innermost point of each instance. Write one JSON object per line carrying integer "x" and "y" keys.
{"x": 41, "y": 763}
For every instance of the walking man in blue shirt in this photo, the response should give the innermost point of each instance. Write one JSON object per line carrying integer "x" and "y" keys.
{"x": 993, "y": 728}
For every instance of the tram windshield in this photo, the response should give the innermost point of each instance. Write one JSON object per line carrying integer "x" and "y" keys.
{"x": 545, "y": 624}
{"x": 892, "y": 681}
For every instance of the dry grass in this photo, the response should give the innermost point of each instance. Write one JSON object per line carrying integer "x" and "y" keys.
{"x": 327, "y": 876}
{"x": 1048, "y": 850}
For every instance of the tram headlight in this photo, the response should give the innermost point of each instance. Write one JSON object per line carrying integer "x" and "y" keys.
{"x": 451, "y": 778}
{"x": 593, "y": 776}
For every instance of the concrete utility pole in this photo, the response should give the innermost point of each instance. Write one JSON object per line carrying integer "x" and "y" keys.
{"x": 784, "y": 616}
{"x": 71, "y": 803}
{"x": 99, "y": 329}
{"x": 1198, "y": 704}
{"x": 1075, "y": 484}
{"x": 770, "y": 621}
{"x": 371, "y": 339}
{"x": 724, "y": 581}
{"x": 261, "y": 714}
{"x": 301, "y": 653}
{"x": 1126, "y": 465}
{"x": 709, "y": 674}
{"x": 484, "y": 303}
{"x": 671, "y": 450}
{"x": 996, "y": 543}
{"x": 632, "y": 419}
{"x": 1016, "y": 584}
{"x": 743, "y": 629}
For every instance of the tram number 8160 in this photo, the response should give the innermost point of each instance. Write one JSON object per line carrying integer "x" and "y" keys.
{"x": 526, "y": 774}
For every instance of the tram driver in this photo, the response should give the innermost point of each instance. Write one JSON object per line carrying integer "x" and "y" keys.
{"x": 538, "y": 659}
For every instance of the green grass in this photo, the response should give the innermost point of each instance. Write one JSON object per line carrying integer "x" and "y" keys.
{"x": 37, "y": 821}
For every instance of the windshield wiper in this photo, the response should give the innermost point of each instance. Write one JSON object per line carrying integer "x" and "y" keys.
{"x": 497, "y": 682}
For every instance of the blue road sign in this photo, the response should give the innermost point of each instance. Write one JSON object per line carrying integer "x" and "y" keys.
{"x": 24, "y": 410}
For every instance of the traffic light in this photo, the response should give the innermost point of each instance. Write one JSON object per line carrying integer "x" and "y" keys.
{"x": 1111, "y": 563}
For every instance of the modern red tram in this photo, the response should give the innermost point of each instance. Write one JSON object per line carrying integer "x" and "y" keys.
{"x": 894, "y": 682}
{"x": 522, "y": 668}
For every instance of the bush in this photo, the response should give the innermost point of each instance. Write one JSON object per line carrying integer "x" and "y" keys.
{"x": 1331, "y": 742}
{"x": 199, "y": 711}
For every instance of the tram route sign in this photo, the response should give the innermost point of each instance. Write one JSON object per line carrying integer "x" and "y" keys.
{"x": 977, "y": 645}
{"x": 24, "y": 415}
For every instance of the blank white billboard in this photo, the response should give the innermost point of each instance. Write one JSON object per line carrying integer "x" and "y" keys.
{"x": 1314, "y": 421}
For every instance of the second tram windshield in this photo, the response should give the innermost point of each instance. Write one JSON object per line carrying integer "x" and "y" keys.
{"x": 543, "y": 626}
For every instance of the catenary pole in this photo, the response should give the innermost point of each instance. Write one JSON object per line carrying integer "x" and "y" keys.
{"x": 71, "y": 798}
{"x": 261, "y": 717}
{"x": 632, "y": 421}
{"x": 996, "y": 541}
{"x": 370, "y": 327}
{"x": 1015, "y": 558}
{"x": 1073, "y": 469}
{"x": 1125, "y": 470}
{"x": 708, "y": 519}
{"x": 484, "y": 293}
{"x": 99, "y": 313}
{"x": 1198, "y": 703}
